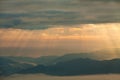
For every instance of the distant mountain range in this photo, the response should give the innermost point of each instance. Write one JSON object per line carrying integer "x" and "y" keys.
{"x": 8, "y": 66}
{"x": 77, "y": 67}
{"x": 99, "y": 62}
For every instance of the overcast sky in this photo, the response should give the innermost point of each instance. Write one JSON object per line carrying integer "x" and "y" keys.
{"x": 40, "y": 14}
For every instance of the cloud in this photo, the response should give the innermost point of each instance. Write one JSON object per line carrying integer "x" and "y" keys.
{"x": 42, "y": 14}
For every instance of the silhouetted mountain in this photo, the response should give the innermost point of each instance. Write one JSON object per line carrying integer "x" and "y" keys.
{"x": 46, "y": 60}
{"x": 43, "y": 60}
{"x": 73, "y": 56}
{"x": 77, "y": 67}
{"x": 99, "y": 62}
{"x": 8, "y": 67}
{"x": 36, "y": 69}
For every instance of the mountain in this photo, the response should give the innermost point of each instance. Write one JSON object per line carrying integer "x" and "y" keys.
{"x": 46, "y": 60}
{"x": 73, "y": 56}
{"x": 43, "y": 60}
{"x": 8, "y": 66}
{"x": 77, "y": 67}
{"x": 103, "y": 61}
{"x": 106, "y": 54}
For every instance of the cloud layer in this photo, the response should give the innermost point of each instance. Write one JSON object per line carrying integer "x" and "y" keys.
{"x": 41, "y": 14}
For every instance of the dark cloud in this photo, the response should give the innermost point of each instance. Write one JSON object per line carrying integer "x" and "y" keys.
{"x": 41, "y": 14}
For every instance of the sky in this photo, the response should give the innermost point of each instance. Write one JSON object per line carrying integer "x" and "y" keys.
{"x": 55, "y": 27}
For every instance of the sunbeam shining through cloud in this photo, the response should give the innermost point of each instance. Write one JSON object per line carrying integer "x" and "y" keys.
{"x": 59, "y": 40}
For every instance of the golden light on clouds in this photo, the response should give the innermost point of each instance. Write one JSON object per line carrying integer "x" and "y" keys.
{"x": 80, "y": 32}
{"x": 63, "y": 39}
